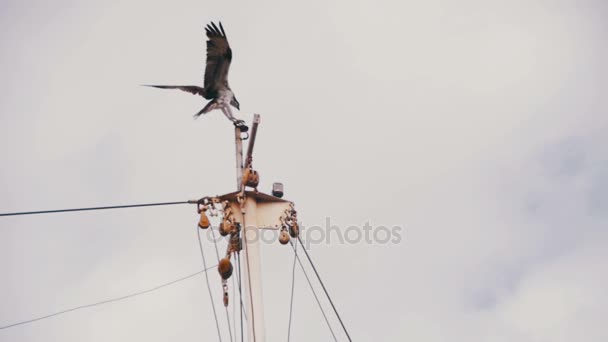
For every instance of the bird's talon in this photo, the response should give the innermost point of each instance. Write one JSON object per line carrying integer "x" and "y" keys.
{"x": 241, "y": 124}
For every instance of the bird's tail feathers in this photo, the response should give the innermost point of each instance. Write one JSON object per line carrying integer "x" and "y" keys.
{"x": 199, "y": 114}
{"x": 208, "y": 107}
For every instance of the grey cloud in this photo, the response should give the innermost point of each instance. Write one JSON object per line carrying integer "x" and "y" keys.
{"x": 479, "y": 127}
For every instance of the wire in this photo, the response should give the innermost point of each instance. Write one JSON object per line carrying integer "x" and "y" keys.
{"x": 238, "y": 265}
{"x": 293, "y": 281}
{"x": 108, "y": 300}
{"x": 324, "y": 289}
{"x": 217, "y": 324}
{"x": 314, "y": 293}
{"x": 229, "y": 324}
{"x": 234, "y": 306}
{"x": 244, "y": 232}
{"x": 239, "y": 277}
{"x": 94, "y": 208}
{"x": 217, "y": 253}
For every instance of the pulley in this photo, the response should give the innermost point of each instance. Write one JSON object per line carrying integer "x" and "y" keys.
{"x": 235, "y": 243}
{"x": 226, "y": 227}
{"x": 251, "y": 178}
{"x": 225, "y": 288}
{"x": 294, "y": 230}
{"x": 283, "y": 237}
{"x": 225, "y": 268}
{"x": 204, "y": 221}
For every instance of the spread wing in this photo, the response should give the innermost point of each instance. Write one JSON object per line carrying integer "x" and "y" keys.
{"x": 219, "y": 56}
{"x": 191, "y": 89}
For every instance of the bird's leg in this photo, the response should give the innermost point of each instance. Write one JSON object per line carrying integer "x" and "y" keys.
{"x": 226, "y": 110}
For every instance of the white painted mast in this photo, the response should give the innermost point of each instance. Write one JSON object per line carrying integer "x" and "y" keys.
{"x": 253, "y": 274}
{"x": 251, "y": 239}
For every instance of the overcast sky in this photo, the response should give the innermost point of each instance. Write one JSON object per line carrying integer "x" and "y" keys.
{"x": 478, "y": 127}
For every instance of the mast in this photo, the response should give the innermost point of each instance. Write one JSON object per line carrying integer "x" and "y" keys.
{"x": 253, "y": 274}
{"x": 250, "y": 234}
{"x": 238, "y": 140}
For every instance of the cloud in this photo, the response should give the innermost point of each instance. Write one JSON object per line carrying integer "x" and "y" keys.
{"x": 479, "y": 128}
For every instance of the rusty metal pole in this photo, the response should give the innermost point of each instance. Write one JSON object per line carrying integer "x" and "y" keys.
{"x": 254, "y": 132}
{"x": 239, "y": 156}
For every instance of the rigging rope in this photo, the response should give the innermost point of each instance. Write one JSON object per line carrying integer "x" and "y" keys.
{"x": 217, "y": 324}
{"x": 107, "y": 301}
{"x": 234, "y": 308}
{"x": 238, "y": 265}
{"x": 293, "y": 281}
{"x": 314, "y": 293}
{"x": 217, "y": 253}
{"x": 94, "y": 208}
{"x": 324, "y": 289}
{"x": 244, "y": 232}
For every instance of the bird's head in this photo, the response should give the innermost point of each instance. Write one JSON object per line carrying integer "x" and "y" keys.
{"x": 235, "y": 103}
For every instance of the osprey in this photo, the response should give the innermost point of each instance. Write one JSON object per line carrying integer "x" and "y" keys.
{"x": 216, "y": 87}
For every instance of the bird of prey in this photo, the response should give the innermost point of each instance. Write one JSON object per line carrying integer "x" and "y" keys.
{"x": 219, "y": 56}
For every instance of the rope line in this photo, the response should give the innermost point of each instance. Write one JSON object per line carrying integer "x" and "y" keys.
{"x": 239, "y": 277}
{"x": 234, "y": 306}
{"x": 249, "y": 280}
{"x": 238, "y": 265}
{"x": 217, "y": 324}
{"x": 314, "y": 293}
{"x": 324, "y": 289}
{"x": 293, "y": 281}
{"x": 217, "y": 253}
{"x": 94, "y": 208}
{"x": 107, "y": 301}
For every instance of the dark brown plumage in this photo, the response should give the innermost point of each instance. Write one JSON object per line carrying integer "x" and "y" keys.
{"x": 216, "y": 87}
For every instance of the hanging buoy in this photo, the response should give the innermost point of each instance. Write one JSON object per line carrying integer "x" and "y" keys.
{"x": 225, "y": 268}
{"x": 204, "y": 221}
{"x": 283, "y": 237}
